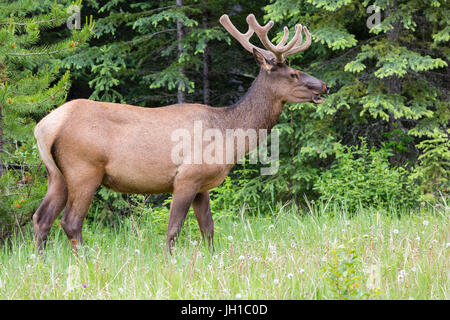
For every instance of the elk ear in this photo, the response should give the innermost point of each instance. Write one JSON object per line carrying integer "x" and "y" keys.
{"x": 262, "y": 61}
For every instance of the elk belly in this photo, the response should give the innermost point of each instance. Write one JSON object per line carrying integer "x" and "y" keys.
{"x": 132, "y": 178}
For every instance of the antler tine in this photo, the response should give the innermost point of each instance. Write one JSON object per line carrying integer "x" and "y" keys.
{"x": 278, "y": 52}
{"x": 261, "y": 32}
{"x": 243, "y": 38}
{"x": 280, "y": 49}
{"x": 301, "y": 47}
{"x": 285, "y": 37}
{"x": 296, "y": 39}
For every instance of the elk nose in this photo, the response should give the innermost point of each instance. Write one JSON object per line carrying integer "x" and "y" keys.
{"x": 325, "y": 88}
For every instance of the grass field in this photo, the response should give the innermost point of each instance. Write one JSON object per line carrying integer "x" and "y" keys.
{"x": 317, "y": 254}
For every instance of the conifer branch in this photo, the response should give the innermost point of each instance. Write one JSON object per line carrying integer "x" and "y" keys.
{"x": 150, "y": 36}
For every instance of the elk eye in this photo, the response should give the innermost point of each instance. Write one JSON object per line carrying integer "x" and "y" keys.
{"x": 294, "y": 76}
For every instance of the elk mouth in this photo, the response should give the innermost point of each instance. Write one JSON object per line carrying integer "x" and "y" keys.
{"x": 317, "y": 99}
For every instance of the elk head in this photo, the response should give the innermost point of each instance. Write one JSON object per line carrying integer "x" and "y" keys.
{"x": 289, "y": 84}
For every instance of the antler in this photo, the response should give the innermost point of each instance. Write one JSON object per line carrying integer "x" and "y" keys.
{"x": 278, "y": 52}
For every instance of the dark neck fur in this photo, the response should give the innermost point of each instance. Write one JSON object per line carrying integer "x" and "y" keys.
{"x": 259, "y": 108}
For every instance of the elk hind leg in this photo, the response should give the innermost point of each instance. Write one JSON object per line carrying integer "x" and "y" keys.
{"x": 81, "y": 192}
{"x": 50, "y": 208}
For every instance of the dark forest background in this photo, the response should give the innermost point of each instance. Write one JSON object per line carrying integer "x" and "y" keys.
{"x": 381, "y": 138}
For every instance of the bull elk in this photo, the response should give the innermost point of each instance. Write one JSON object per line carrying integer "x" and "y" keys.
{"x": 86, "y": 143}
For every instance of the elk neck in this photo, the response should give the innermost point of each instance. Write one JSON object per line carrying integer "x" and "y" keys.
{"x": 259, "y": 108}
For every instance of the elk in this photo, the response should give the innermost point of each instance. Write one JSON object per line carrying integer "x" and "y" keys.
{"x": 85, "y": 143}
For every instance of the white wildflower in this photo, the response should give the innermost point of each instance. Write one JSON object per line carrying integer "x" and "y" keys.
{"x": 241, "y": 258}
{"x": 401, "y": 275}
{"x": 238, "y": 296}
{"x": 272, "y": 249}
{"x": 230, "y": 238}
{"x": 425, "y": 222}
{"x": 290, "y": 275}
{"x": 276, "y": 281}
{"x": 395, "y": 231}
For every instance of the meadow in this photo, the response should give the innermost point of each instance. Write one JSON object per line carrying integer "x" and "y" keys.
{"x": 371, "y": 161}
{"x": 321, "y": 252}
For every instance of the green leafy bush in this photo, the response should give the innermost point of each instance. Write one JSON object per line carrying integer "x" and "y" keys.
{"x": 432, "y": 173}
{"x": 363, "y": 177}
{"x": 110, "y": 208}
{"x": 343, "y": 274}
{"x": 22, "y": 188}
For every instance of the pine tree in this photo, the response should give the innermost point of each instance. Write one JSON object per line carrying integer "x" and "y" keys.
{"x": 139, "y": 58}
{"x": 389, "y": 84}
{"x": 32, "y": 84}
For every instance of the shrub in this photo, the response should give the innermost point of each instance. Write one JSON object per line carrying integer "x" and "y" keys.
{"x": 22, "y": 188}
{"x": 343, "y": 275}
{"x": 363, "y": 177}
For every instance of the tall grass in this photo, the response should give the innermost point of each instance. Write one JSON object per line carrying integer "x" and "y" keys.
{"x": 322, "y": 253}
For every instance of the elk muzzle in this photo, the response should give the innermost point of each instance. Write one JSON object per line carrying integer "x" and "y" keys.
{"x": 316, "y": 98}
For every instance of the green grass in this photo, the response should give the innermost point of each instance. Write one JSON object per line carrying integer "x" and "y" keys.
{"x": 320, "y": 254}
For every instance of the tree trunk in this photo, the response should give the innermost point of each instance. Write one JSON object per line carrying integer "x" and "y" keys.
{"x": 180, "y": 34}
{"x": 393, "y": 83}
{"x": 206, "y": 62}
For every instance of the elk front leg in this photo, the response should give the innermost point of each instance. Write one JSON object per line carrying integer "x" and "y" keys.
{"x": 183, "y": 196}
{"x": 203, "y": 214}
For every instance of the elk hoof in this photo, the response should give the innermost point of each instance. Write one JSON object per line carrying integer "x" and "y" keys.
{"x": 74, "y": 243}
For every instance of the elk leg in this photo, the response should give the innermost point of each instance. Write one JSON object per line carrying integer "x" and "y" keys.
{"x": 81, "y": 192}
{"x": 181, "y": 201}
{"x": 204, "y": 218}
{"x": 50, "y": 208}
